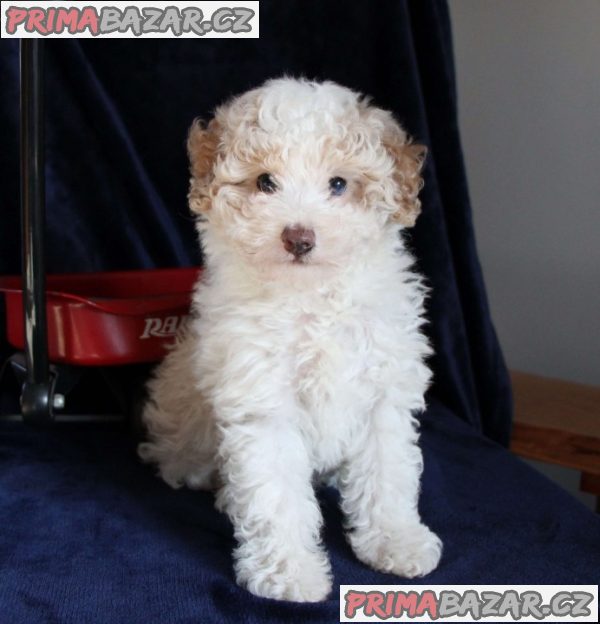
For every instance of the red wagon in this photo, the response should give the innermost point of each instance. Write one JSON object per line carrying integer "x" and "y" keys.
{"x": 105, "y": 319}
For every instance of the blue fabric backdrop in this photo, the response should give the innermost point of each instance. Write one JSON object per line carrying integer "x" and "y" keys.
{"x": 88, "y": 534}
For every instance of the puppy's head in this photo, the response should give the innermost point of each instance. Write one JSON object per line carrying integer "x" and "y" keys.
{"x": 301, "y": 176}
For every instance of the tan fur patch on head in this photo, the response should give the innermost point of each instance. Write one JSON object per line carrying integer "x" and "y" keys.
{"x": 409, "y": 159}
{"x": 398, "y": 181}
{"x": 203, "y": 147}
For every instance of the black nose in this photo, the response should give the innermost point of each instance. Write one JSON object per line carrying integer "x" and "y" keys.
{"x": 298, "y": 240}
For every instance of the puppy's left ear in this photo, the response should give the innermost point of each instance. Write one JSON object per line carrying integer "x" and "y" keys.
{"x": 408, "y": 161}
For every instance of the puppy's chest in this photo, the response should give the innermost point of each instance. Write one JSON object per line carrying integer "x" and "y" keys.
{"x": 333, "y": 355}
{"x": 327, "y": 350}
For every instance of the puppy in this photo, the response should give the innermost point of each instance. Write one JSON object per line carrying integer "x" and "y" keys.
{"x": 304, "y": 358}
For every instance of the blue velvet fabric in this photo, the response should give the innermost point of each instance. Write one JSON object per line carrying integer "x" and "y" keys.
{"x": 88, "y": 534}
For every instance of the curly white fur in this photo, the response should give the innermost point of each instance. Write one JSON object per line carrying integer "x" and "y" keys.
{"x": 293, "y": 368}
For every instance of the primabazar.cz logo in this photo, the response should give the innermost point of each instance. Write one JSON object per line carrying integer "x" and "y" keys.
{"x": 468, "y": 603}
{"x": 121, "y": 20}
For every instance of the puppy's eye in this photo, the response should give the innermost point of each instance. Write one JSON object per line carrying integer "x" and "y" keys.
{"x": 265, "y": 183}
{"x": 337, "y": 186}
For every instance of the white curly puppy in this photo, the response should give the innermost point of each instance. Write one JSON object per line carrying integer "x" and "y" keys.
{"x": 304, "y": 358}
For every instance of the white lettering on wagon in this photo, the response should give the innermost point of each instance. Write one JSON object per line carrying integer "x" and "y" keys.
{"x": 156, "y": 327}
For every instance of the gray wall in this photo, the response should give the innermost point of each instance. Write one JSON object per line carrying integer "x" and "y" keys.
{"x": 529, "y": 101}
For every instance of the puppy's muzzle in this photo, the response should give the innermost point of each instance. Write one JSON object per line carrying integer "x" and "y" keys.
{"x": 298, "y": 240}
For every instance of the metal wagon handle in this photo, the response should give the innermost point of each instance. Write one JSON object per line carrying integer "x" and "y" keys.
{"x": 37, "y": 391}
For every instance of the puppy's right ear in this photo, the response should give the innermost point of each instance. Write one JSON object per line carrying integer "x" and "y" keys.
{"x": 202, "y": 146}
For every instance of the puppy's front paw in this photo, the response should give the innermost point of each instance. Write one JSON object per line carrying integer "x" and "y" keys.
{"x": 409, "y": 551}
{"x": 304, "y": 577}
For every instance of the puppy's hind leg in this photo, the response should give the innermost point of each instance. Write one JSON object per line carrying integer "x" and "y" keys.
{"x": 181, "y": 431}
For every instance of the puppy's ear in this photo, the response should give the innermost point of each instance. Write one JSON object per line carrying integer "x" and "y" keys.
{"x": 408, "y": 162}
{"x": 202, "y": 146}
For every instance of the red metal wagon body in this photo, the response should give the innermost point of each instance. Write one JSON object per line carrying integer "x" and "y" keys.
{"x": 102, "y": 319}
